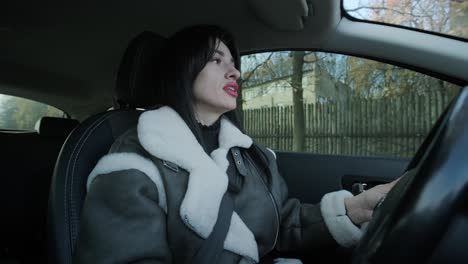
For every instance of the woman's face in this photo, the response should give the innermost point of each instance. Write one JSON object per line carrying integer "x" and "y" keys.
{"x": 215, "y": 88}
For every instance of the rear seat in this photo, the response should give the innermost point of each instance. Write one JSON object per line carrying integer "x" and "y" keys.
{"x": 27, "y": 160}
{"x": 55, "y": 127}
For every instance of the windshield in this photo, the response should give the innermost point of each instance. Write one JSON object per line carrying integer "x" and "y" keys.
{"x": 448, "y": 17}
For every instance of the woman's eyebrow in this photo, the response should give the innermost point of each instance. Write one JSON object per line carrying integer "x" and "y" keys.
{"x": 219, "y": 52}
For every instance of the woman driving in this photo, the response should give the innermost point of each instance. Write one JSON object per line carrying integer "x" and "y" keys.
{"x": 188, "y": 186}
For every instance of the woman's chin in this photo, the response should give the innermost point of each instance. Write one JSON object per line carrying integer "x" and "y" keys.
{"x": 229, "y": 106}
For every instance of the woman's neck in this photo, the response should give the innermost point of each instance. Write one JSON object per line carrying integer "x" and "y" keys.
{"x": 206, "y": 119}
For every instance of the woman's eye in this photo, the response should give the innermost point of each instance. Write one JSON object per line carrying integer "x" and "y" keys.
{"x": 216, "y": 60}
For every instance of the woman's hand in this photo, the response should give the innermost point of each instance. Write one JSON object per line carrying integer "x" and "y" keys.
{"x": 360, "y": 207}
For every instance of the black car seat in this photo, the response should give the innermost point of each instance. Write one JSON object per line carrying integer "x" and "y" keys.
{"x": 92, "y": 139}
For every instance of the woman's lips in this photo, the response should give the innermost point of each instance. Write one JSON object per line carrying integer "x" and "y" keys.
{"x": 231, "y": 89}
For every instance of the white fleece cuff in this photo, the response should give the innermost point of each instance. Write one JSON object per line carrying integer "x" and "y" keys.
{"x": 334, "y": 214}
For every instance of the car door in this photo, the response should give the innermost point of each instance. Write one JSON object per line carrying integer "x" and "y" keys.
{"x": 338, "y": 122}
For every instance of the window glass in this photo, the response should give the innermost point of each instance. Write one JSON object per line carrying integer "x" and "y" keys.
{"x": 341, "y": 105}
{"x": 22, "y": 114}
{"x": 442, "y": 16}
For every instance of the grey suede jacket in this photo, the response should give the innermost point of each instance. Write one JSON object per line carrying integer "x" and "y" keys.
{"x": 155, "y": 199}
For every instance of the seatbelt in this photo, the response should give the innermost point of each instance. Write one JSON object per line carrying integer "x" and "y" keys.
{"x": 211, "y": 249}
{"x": 213, "y": 246}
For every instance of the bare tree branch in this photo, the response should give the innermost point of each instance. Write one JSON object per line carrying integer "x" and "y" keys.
{"x": 256, "y": 68}
{"x": 386, "y": 9}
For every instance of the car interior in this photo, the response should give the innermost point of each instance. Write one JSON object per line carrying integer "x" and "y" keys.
{"x": 93, "y": 60}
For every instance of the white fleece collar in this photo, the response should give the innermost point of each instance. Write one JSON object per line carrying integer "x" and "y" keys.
{"x": 164, "y": 134}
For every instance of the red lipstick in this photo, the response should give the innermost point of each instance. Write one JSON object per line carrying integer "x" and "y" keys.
{"x": 231, "y": 88}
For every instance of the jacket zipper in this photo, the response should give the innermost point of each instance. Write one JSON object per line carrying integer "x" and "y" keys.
{"x": 272, "y": 200}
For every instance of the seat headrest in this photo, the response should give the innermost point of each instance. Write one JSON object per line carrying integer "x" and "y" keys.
{"x": 135, "y": 86}
{"x": 55, "y": 126}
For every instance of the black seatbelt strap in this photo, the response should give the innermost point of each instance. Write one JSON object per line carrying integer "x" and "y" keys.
{"x": 211, "y": 249}
{"x": 213, "y": 246}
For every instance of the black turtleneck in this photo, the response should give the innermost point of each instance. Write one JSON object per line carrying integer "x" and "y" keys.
{"x": 210, "y": 135}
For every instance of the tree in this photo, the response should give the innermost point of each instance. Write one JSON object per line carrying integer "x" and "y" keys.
{"x": 298, "y": 101}
{"x": 372, "y": 79}
{"x": 280, "y": 65}
{"x": 432, "y": 15}
{"x": 7, "y": 111}
{"x": 459, "y": 18}
{"x": 21, "y": 114}
{"x": 254, "y": 64}
{"x": 289, "y": 67}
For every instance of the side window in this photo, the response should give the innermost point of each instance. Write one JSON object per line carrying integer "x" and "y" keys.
{"x": 334, "y": 104}
{"x": 17, "y": 113}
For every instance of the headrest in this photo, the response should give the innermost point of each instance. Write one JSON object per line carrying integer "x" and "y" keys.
{"x": 55, "y": 126}
{"x": 135, "y": 86}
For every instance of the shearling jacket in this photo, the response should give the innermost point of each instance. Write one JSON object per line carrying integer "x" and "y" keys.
{"x": 155, "y": 199}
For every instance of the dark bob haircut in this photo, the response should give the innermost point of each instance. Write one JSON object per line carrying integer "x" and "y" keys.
{"x": 183, "y": 57}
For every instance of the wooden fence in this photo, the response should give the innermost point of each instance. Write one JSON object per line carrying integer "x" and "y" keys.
{"x": 359, "y": 127}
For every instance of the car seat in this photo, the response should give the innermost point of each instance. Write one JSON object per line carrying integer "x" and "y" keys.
{"x": 92, "y": 139}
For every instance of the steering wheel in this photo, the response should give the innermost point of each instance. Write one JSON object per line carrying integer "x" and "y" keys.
{"x": 412, "y": 220}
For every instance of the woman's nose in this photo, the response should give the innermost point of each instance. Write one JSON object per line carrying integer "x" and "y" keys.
{"x": 232, "y": 73}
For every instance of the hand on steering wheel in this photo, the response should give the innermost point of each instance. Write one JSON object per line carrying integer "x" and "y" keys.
{"x": 360, "y": 208}
{"x": 412, "y": 223}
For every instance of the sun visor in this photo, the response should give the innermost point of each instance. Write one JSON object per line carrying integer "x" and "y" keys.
{"x": 284, "y": 15}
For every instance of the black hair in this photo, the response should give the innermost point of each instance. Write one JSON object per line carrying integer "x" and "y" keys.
{"x": 183, "y": 57}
